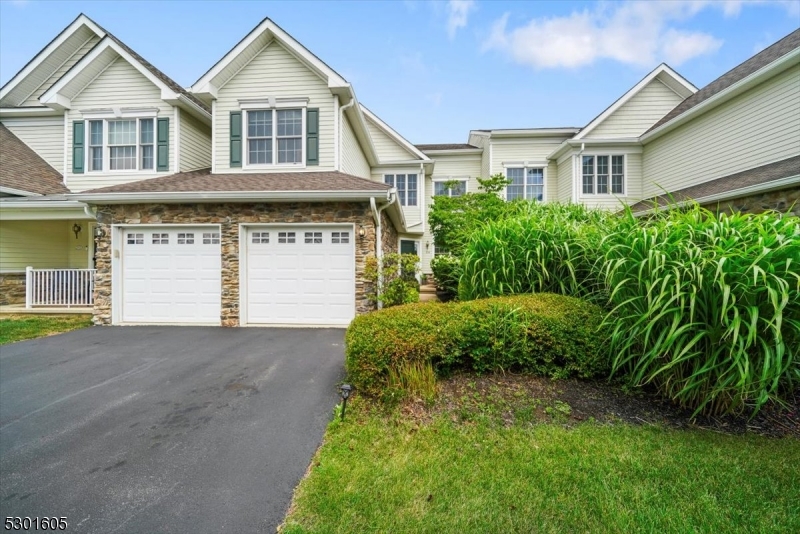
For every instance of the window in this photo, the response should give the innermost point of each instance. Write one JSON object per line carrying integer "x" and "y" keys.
{"x": 161, "y": 239}
{"x": 602, "y": 175}
{"x": 313, "y": 237}
{"x": 285, "y": 140}
{"x": 406, "y": 185}
{"x": 121, "y": 145}
{"x": 286, "y": 237}
{"x": 135, "y": 239}
{"x": 449, "y": 188}
{"x": 185, "y": 239}
{"x": 526, "y": 182}
{"x": 340, "y": 237}
{"x": 260, "y": 237}
{"x": 211, "y": 238}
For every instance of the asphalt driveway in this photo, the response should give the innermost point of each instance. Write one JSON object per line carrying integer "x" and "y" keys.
{"x": 163, "y": 429}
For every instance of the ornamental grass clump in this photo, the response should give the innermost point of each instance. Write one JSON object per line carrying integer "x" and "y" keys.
{"x": 706, "y": 307}
{"x": 546, "y": 248}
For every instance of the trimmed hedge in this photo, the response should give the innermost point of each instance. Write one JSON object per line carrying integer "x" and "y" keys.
{"x": 544, "y": 333}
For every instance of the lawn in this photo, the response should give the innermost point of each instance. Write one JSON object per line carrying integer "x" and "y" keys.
{"x": 15, "y": 328}
{"x": 392, "y": 473}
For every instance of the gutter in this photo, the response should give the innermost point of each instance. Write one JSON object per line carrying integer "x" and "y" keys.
{"x": 175, "y": 197}
{"x": 376, "y": 215}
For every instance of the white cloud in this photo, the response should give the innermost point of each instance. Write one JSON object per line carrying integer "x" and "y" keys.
{"x": 458, "y": 15}
{"x": 636, "y": 33}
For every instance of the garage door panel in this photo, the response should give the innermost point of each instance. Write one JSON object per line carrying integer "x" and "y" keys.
{"x": 310, "y": 281}
{"x": 171, "y": 277}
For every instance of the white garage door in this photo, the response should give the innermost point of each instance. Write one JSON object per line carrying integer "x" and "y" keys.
{"x": 300, "y": 275}
{"x": 171, "y": 274}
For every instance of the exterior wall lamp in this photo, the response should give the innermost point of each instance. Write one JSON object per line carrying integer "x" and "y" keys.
{"x": 76, "y": 228}
{"x": 361, "y": 231}
{"x": 99, "y": 232}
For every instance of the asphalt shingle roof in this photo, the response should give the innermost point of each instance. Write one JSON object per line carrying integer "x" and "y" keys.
{"x": 203, "y": 180}
{"x": 22, "y": 168}
{"x": 760, "y": 60}
{"x": 755, "y": 176}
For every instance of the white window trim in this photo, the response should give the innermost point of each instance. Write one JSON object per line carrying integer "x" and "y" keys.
{"x": 105, "y": 117}
{"x": 440, "y": 179}
{"x": 525, "y": 165}
{"x": 273, "y": 105}
{"x": 609, "y": 194}
{"x": 420, "y": 184}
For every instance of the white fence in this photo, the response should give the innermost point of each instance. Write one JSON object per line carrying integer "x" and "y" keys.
{"x": 59, "y": 287}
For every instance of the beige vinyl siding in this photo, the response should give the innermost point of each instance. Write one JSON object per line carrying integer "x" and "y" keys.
{"x": 33, "y": 100}
{"x": 45, "y": 135}
{"x": 639, "y": 113}
{"x": 388, "y": 149}
{"x": 757, "y": 127}
{"x": 353, "y": 160}
{"x": 118, "y": 86}
{"x": 273, "y": 72}
{"x": 39, "y": 244}
{"x": 46, "y": 68}
{"x": 565, "y": 178}
{"x": 195, "y": 143}
{"x": 534, "y": 151}
{"x": 413, "y": 214}
{"x": 633, "y": 182}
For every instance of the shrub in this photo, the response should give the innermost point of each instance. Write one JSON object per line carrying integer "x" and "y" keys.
{"x": 706, "y": 307}
{"x": 399, "y": 275}
{"x": 446, "y": 273}
{"x": 544, "y": 333}
{"x": 545, "y": 248}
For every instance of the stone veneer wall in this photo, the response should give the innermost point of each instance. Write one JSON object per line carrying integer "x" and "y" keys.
{"x": 389, "y": 239}
{"x": 229, "y": 216}
{"x": 780, "y": 201}
{"x": 12, "y": 288}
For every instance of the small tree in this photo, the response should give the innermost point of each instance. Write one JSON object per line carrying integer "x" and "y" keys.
{"x": 453, "y": 219}
{"x": 395, "y": 281}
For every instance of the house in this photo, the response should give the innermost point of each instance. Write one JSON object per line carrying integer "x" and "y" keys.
{"x": 255, "y": 196}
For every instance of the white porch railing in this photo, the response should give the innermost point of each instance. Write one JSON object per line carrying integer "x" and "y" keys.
{"x": 59, "y": 287}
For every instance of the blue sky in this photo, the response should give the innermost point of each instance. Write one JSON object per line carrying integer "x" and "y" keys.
{"x": 435, "y": 70}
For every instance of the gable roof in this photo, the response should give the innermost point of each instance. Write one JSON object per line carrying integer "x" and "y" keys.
{"x": 786, "y": 45}
{"x": 771, "y": 176}
{"x": 663, "y": 73}
{"x": 35, "y": 72}
{"x": 22, "y": 169}
{"x": 250, "y": 45}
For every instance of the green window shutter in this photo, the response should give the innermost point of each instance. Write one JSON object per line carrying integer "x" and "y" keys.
{"x": 162, "y": 140}
{"x": 78, "y": 150}
{"x": 312, "y": 136}
{"x": 236, "y": 138}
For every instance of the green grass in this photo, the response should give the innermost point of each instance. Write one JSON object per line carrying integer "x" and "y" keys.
{"x": 382, "y": 474}
{"x": 15, "y": 328}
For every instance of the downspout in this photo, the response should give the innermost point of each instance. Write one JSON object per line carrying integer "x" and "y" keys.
{"x": 576, "y": 174}
{"x": 88, "y": 211}
{"x": 376, "y": 215}
{"x": 342, "y": 109}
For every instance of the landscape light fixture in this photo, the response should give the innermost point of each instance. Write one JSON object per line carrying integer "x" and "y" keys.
{"x": 344, "y": 391}
{"x": 77, "y": 229}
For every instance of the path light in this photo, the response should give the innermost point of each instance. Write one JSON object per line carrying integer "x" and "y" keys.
{"x": 344, "y": 391}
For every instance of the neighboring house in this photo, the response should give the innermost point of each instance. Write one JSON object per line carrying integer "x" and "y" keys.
{"x": 255, "y": 196}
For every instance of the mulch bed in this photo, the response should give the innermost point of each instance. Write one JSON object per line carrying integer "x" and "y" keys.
{"x": 506, "y": 396}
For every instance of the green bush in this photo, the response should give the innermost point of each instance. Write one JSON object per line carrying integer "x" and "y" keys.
{"x": 399, "y": 276}
{"x": 446, "y": 270}
{"x": 706, "y": 307}
{"x": 548, "y": 334}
